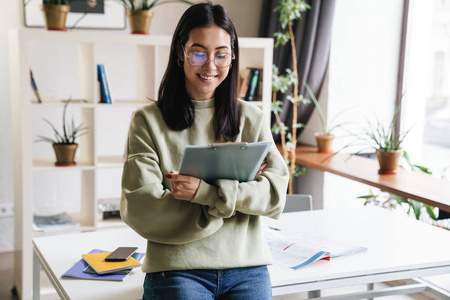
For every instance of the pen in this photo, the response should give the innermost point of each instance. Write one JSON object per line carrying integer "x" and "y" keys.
{"x": 33, "y": 85}
{"x": 274, "y": 228}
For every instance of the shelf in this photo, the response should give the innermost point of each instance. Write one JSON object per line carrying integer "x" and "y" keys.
{"x": 124, "y": 103}
{"x": 91, "y": 37}
{"x": 48, "y": 164}
{"x": 65, "y": 66}
{"x": 409, "y": 184}
{"x": 52, "y": 104}
{"x": 117, "y": 103}
{"x": 110, "y": 161}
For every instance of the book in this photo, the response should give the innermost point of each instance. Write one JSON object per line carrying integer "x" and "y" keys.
{"x": 303, "y": 249}
{"x": 109, "y": 208}
{"x": 252, "y": 85}
{"x": 53, "y": 222}
{"x": 136, "y": 255}
{"x": 259, "y": 88}
{"x": 105, "y": 96}
{"x": 244, "y": 78}
{"x": 77, "y": 271}
{"x": 97, "y": 262}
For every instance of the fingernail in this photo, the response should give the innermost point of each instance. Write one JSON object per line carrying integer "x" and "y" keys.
{"x": 169, "y": 176}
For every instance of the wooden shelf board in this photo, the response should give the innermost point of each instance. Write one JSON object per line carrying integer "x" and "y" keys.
{"x": 409, "y": 184}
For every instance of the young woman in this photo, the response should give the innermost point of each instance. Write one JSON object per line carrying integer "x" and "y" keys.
{"x": 204, "y": 240}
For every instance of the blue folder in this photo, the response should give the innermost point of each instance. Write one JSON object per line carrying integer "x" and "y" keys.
{"x": 236, "y": 161}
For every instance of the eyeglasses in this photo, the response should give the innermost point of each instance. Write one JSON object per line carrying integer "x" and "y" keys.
{"x": 198, "y": 59}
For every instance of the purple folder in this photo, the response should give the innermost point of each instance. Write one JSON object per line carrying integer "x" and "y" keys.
{"x": 77, "y": 271}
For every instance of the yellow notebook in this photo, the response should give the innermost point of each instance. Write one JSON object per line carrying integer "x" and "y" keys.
{"x": 98, "y": 263}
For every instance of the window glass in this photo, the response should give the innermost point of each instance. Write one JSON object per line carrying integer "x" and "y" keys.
{"x": 436, "y": 131}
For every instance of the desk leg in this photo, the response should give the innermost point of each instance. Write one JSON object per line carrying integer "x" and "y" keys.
{"x": 36, "y": 277}
{"x": 370, "y": 287}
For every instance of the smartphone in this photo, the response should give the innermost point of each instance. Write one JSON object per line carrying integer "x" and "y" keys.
{"x": 121, "y": 254}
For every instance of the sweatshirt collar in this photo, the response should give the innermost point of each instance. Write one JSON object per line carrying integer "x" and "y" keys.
{"x": 203, "y": 103}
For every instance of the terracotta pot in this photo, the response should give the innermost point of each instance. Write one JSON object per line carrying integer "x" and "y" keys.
{"x": 140, "y": 21}
{"x": 324, "y": 142}
{"x": 55, "y": 16}
{"x": 388, "y": 161}
{"x": 65, "y": 154}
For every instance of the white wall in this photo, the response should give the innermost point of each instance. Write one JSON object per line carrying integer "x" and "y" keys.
{"x": 245, "y": 15}
{"x": 10, "y": 18}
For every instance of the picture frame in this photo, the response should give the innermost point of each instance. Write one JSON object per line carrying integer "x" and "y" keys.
{"x": 108, "y": 15}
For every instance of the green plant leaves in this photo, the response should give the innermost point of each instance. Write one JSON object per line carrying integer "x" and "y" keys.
{"x": 70, "y": 132}
{"x": 277, "y": 106}
{"x": 281, "y": 38}
{"x": 281, "y": 83}
{"x": 277, "y": 130}
{"x": 290, "y": 10}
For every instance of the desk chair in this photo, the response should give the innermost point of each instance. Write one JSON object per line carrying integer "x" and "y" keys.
{"x": 298, "y": 202}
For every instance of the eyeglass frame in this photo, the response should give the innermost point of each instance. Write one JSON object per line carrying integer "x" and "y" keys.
{"x": 208, "y": 58}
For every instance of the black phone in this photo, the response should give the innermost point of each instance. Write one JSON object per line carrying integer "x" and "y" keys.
{"x": 121, "y": 254}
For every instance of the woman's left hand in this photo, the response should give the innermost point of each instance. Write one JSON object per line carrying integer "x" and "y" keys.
{"x": 262, "y": 167}
{"x": 183, "y": 187}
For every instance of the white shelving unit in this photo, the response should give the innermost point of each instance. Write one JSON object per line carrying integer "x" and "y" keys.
{"x": 64, "y": 65}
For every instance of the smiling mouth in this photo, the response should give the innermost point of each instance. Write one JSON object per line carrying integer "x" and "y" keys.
{"x": 207, "y": 77}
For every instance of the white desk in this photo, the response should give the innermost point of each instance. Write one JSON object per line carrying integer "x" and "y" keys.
{"x": 398, "y": 248}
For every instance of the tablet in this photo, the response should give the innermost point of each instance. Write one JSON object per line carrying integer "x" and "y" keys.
{"x": 236, "y": 161}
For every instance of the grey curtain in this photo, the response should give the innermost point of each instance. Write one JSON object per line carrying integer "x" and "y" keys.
{"x": 313, "y": 38}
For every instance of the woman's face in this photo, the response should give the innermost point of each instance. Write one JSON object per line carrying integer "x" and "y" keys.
{"x": 213, "y": 44}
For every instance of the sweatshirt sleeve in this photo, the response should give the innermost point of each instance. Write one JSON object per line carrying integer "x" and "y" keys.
{"x": 147, "y": 206}
{"x": 265, "y": 196}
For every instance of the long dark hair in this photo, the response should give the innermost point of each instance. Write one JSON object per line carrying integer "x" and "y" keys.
{"x": 176, "y": 106}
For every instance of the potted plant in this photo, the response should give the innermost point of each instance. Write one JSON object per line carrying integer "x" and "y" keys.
{"x": 290, "y": 10}
{"x": 325, "y": 137}
{"x": 140, "y": 14}
{"x": 55, "y": 12}
{"x": 64, "y": 142}
{"x": 384, "y": 140}
{"x": 387, "y": 143}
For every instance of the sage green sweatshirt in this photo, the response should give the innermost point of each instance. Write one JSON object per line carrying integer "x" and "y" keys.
{"x": 220, "y": 228}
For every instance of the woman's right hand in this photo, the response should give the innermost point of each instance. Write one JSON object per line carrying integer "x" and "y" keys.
{"x": 183, "y": 187}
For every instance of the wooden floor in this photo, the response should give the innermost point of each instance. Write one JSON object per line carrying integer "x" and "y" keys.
{"x": 6, "y": 276}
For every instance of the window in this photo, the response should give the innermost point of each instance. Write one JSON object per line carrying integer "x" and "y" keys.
{"x": 429, "y": 65}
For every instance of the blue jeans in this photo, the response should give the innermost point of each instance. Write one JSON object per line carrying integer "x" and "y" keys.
{"x": 237, "y": 284}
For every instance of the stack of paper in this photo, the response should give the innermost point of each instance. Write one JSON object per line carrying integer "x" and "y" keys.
{"x": 53, "y": 222}
{"x": 94, "y": 266}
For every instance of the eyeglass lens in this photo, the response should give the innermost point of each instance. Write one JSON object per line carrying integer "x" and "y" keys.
{"x": 198, "y": 59}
